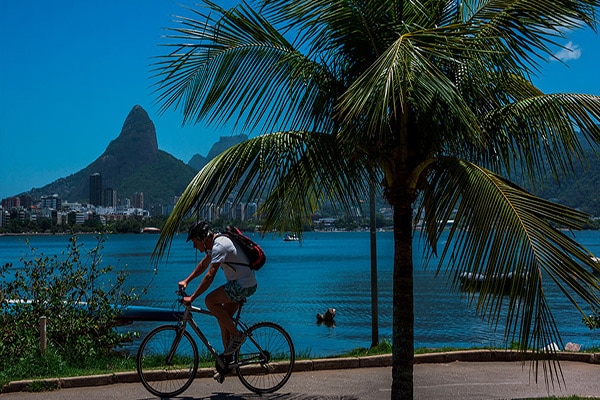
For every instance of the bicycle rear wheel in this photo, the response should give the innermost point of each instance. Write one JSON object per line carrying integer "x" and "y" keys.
{"x": 266, "y": 358}
{"x": 162, "y": 377}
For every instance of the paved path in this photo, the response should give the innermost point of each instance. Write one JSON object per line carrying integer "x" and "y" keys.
{"x": 452, "y": 380}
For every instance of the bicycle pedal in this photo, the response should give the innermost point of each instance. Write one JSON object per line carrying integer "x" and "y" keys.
{"x": 268, "y": 367}
{"x": 219, "y": 377}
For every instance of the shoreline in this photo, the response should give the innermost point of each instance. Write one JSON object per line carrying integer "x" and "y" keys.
{"x": 380, "y": 230}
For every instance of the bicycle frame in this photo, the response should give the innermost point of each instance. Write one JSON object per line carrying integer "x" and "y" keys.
{"x": 187, "y": 318}
{"x": 263, "y": 364}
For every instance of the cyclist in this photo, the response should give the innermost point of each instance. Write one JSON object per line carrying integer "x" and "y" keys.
{"x": 241, "y": 283}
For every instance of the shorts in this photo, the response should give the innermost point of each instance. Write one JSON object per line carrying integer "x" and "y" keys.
{"x": 235, "y": 292}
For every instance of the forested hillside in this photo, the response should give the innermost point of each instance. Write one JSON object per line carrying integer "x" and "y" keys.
{"x": 580, "y": 192}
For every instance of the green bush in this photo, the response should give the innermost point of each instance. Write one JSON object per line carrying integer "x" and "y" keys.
{"x": 80, "y": 299}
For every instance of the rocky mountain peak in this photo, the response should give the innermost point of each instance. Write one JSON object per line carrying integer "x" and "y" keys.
{"x": 130, "y": 163}
{"x": 133, "y": 163}
{"x": 225, "y": 142}
{"x": 138, "y": 132}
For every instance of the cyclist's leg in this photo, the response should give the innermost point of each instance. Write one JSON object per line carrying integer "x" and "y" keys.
{"x": 231, "y": 308}
{"x": 223, "y": 309}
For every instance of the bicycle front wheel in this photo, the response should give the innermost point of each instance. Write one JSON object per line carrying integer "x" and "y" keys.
{"x": 266, "y": 359}
{"x": 167, "y": 361}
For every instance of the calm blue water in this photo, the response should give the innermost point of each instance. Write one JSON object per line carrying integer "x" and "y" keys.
{"x": 302, "y": 279}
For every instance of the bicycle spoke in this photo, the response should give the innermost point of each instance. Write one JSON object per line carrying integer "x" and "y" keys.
{"x": 166, "y": 363}
{"x": 266, "y": 359}
{"x": 167, "y": 360}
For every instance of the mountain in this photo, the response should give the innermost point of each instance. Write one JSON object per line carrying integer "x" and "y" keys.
{"x": 198, "y": 162}
{"x": 578, "y": 191}
{"x": 131, "y": 163}
{"x": 225, "y": 142}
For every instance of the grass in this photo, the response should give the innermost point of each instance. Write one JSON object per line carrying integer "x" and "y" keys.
{"x": 51, "y": 365}
{"x": 384, "y": 347}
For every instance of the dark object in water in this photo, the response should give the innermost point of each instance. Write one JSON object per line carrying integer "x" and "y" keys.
{"x": 502, "y": 283}
{"x": 327, "y": 316}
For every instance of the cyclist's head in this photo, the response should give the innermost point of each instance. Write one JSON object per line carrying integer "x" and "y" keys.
{"x": 198, "y": 230}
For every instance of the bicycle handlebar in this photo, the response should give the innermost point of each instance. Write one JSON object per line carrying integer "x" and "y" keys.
{"x": 181, "y": 294}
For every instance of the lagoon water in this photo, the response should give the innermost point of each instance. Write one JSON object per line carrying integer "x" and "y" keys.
{"x": 301, "y": 279}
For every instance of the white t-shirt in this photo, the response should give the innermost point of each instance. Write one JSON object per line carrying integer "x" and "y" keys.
{"x": 233, "y": 262}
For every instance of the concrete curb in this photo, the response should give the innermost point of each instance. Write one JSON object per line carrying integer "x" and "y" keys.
{"x": 384, "y": 360}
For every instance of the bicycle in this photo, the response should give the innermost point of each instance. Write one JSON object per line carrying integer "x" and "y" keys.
{"x": 167, "y": 360}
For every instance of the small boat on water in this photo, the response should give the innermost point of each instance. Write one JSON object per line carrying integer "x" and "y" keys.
{"x": 290, "y": 238}
{"x": 150, "y": 229}
{"x": 503, "y": 282}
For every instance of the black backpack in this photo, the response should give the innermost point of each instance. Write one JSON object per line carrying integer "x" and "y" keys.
{"x": 256, "y": 255}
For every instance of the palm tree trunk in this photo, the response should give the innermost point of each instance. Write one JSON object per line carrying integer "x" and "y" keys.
{"x": 403, "y": 312}
{"x": 374, "y": 291}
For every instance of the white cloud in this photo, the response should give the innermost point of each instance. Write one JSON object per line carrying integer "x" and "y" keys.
{"x": 569, "y": 52}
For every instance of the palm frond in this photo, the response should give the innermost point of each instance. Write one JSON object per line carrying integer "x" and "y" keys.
{"x": 544, "y": 132}
{"x": 501, "y": 230}
{"x": 406, "y": 78}
{"x": 294, "y": 172}
{"x": 232, "y": 65}
{"x": 529, "y": 29}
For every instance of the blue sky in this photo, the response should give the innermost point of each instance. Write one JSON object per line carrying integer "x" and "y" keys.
{"x": 71, "y": 70}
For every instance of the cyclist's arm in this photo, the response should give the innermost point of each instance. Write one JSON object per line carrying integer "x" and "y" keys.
{"x": 200, "y": 268}
{"x": 208, "y": 279}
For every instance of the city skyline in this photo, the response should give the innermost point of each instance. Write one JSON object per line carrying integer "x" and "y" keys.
{"x": 70, "y": 73}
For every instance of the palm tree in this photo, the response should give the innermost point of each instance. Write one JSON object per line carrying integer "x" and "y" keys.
{"x": 430, "y": 99}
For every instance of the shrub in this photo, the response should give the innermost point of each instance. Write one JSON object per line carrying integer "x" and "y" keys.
{"x": 80, "y": 299}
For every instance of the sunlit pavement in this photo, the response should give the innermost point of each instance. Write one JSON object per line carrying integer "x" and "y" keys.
{"x": 432, "y": 380}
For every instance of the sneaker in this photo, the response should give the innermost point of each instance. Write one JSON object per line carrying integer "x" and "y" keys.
{"x": 219, "y": 377}
{"x": 234, "y": 344}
